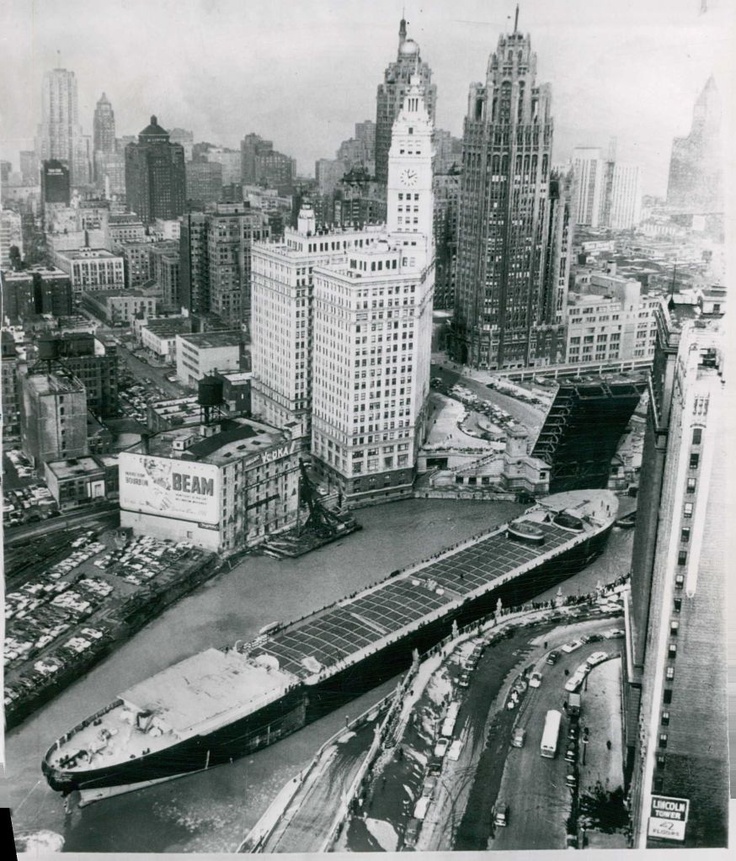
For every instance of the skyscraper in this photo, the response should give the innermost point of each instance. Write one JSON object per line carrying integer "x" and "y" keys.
{"x": 589, "y": 170}
{"x": 215, "y": 269}
{"x": 676, "y": 711}
{"x": 59, "y": 134}
{"x": 155, "y": 178}
{"x": 390, "y": 96}
{"x": 372, "y": 332}
{"x": 504, "y": 287}
{"x": 695, "y": 180}
{"x": 103, "y": 130}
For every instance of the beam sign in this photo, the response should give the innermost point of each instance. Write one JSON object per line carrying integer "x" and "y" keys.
{"x": 668, "y": 818}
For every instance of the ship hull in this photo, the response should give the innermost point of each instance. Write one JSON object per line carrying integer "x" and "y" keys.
{"x": 309, "y": 702}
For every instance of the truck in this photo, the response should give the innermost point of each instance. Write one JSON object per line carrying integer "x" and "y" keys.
{"x": 500, "y": 814}
{"x": 548, "y": 747}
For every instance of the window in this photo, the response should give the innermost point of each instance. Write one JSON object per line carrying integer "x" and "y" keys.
{"x": 663, "y": 739}
{"x": 672, "y": 651}
{"x": 697, "y": 436}
{"x": 677, "y": 605}
{"x": 691, "y": 484}
{"x": 679, "y": 581}
{"x": 665, "y": 718}
{"x": 667, "y": 699}
{"x": 674, "y": 628}
{"x": 688, "y": 510}
{"x": 670, "y": 674}
{"x": 694, "y": 461}
{"x": 685, "y": 534}
{"x": 682, "y": 557}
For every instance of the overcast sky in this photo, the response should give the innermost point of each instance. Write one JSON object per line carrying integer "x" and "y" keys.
{"x": 302, "y": 72}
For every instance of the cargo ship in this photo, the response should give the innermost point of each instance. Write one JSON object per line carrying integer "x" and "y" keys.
{"x": 221, "y": 704}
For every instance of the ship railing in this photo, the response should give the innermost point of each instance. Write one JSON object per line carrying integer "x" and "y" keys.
{"x": 62, "y": 740}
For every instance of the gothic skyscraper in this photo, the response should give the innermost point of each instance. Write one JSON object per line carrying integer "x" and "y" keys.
{"x": 695, "y": 181}
{"x": 507, "y": 308}
{"x": 391, "y": 94}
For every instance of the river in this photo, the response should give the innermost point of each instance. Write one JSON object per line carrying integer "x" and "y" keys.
{"x": 212, "y": 811}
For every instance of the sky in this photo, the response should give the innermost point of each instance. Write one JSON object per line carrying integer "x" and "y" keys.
{"x": 303, "y": 72}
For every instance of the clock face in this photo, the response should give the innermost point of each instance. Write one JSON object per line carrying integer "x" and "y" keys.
{"x": 409, "y": 177}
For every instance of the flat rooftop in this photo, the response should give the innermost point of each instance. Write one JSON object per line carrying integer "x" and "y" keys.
{"x": 89, "y": 254}
{"x": 238, "y": 438}
{"x": 211, "y": 340}
{"x": 74, "y": 467}
{"x": 53, "y": 384}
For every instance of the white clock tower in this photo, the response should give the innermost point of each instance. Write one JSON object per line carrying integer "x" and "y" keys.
{"x": 410, "y": 208}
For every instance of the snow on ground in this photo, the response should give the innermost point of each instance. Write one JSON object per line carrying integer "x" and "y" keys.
{"x": 346, "y": 736}
{"x": 40, "y": 842}
{"x": 439, "y": 688}
{"x": 416, "y": 755}
{"x": 383, "y": 833}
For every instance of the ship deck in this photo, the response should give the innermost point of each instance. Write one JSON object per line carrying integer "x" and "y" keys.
{"x": 344, "y": 629}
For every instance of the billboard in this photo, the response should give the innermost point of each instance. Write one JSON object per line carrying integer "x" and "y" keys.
{"x": 183, "y": 489}
{"x": 668, "y": 818}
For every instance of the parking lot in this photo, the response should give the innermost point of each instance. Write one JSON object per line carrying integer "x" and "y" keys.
{"x": 26, "y": 499}
{"x": 64, "y": 612}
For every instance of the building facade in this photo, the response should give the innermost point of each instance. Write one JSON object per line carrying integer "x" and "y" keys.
{"x": 282, "y": 318}
{"x": 122, "y": 307}
{"x": 222, "y": 488}
{"x": 505, "y": 290}
{"x": 676, "y": 728}
{"x": 59, "y": 134}
{"x": 164, "y": 269}
{"x": 155, "y": 177}
{"x": 262, "y": 165}
{"x": 55, "y": 183}
{"x": 103, "y": 136}
{"x": 695, "y": 179}
{"x": 373, "y": 330}
{"x": 203, "y": 353}
{"x": 92, "y": 269}
{"x": 215, "y": 254}
{"x": 53, "y": 416}
{"x": 204, "y": 182}
{"x": 390, "y": 97}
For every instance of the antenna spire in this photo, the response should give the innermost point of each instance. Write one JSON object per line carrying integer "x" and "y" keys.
{"x": 516, "y": 19}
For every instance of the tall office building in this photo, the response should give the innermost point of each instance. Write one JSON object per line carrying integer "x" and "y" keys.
{"x": 504, "y": 286}
{"x": 676, "y": 710}
{"x": 282, "y": 317}
{"x": 262, "y": 165}
{"x": 59, "y": 134}
{"x": 390, "y": 96}
{"x": 372, "y": 332}
{"x": 155, "y": 178}
{"x": 103, "y": 143}
{"x": 607, "y": 191}
{"x": 103, "y": 126}
{"x": 204, "y": 182}
{"x": 695, "y": 180}
{"x": 590, "y": 169}
{"x": 55, "y": 183}
{"x": 624, "y": 212}
{"x": 215, "y": 249}
{"x": 53, "y": 416}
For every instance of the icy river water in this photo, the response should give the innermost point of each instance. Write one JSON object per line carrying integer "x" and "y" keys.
{"x": 214, "y": 810}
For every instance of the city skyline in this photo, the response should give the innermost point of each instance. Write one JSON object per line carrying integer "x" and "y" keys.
{"x": 631, "y": 72}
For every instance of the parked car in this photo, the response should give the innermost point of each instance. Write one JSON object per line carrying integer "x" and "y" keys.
{"x": 571, "y": 647}
{"x": 440, "y": 749}
{"x": 596, "y": 658}
{"x": 535, "y": 680}
{"x": 500, "y": 814}
{"x": 518, "y": 737}
{"x": 552, "y": 657}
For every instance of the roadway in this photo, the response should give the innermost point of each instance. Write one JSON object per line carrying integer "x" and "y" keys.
{"x": 529, "y": 416}
{"x": 310, "y": 817}
{"x": 533, "y": 786}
